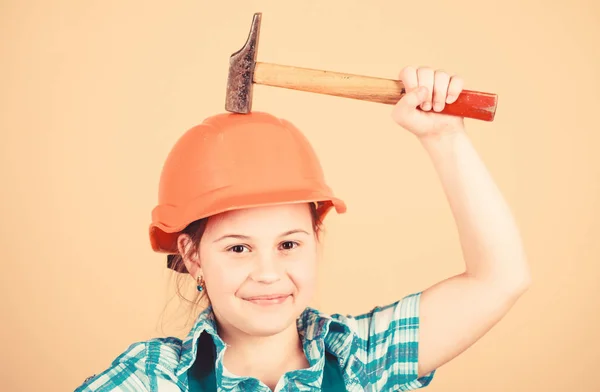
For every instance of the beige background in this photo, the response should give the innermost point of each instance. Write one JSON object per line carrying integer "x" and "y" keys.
{"x": 94, "y": 94}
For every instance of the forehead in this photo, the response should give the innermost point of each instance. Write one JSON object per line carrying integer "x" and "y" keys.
{"x": 270, "y": 220}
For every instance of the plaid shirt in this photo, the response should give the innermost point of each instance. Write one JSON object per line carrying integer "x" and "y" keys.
{"x": 378, "y": 351}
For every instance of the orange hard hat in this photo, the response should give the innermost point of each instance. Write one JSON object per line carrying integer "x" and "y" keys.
{"x": 232, "y": 161}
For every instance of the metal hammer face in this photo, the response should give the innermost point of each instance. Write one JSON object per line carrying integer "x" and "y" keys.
{"x": 241, "y": 72}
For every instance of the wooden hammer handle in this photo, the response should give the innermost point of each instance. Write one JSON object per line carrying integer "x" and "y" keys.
{"x": 471, "y": 104}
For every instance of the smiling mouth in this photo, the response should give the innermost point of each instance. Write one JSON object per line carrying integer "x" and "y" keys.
{"x": 269, "y": 299}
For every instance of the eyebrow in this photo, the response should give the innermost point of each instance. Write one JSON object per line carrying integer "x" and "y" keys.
{"x": 246, "y": 238}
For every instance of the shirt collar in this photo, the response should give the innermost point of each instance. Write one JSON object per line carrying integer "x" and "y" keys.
{"x": 318, "y": 331}
{"x": 205, "y": 322}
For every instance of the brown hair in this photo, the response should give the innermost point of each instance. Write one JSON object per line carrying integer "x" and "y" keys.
{"x": 196, "y": 229}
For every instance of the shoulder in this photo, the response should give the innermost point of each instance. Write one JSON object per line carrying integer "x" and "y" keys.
{"x": 402, "y": 314}
{"x": 389, "y": 336}
{"x": 139, "y": 368}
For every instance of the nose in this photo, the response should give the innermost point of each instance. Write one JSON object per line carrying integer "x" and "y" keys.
{"x": 266, "y": 269}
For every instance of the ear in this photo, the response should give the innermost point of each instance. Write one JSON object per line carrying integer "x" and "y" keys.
{"x": 190, "y": 254}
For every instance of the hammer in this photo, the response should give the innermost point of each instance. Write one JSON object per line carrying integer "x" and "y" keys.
{"x": 245, "y": 71}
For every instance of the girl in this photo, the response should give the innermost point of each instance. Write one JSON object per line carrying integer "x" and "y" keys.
{"x": 241, "y": 202}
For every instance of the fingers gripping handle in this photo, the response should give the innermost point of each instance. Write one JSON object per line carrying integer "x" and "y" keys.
{"x": 473, "y": 104}
{"x": 470, "y": 104}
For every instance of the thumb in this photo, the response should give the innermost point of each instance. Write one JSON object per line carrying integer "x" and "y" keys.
{"x": 405, "y": 112}
{"x": 411, "y": 100}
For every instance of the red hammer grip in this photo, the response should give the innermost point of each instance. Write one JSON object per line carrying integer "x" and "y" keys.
{"x": 473, "y": 104}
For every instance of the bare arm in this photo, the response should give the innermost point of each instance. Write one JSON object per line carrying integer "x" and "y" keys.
{"x": 456, "y": 312}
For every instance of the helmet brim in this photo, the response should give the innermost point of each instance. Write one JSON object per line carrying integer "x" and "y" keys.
{"x": 163, "y": 235}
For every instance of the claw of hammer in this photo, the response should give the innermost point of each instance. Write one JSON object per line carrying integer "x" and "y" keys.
{"x": 241, "y": 72}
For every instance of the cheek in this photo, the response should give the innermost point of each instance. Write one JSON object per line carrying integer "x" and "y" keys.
{"x": 304, "y": 272}
{"x": 220, "y": 276}
{"x": 223, "y": 280}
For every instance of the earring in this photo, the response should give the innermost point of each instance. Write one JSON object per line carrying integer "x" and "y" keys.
{"x": 200, "y": 283}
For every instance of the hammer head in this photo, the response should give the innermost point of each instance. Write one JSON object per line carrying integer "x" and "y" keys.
{"x": 241, "y": 72}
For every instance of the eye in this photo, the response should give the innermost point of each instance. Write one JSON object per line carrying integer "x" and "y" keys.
{"x": 289, "y": 245}
{"x": 237, "y": 248}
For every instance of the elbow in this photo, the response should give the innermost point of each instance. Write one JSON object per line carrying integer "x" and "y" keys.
{"x": 509, "y": 284}
{"x": 521, "y": 277}
{"x": 506, "y": 291}
{"x": 526, "y": 280}
{"x": 521, "y": 284}
{"x": 517, "y": 284}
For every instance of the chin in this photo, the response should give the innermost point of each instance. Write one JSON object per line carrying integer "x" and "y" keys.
{"x": 265, "y": 330}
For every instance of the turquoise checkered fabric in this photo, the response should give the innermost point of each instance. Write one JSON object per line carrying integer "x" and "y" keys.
{"x": 377, "y": 351}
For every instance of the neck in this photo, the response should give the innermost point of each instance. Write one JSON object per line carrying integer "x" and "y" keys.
{"x": 261, "y": 356}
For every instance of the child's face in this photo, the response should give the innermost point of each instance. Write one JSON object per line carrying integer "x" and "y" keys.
{"x": 259, "y": 265}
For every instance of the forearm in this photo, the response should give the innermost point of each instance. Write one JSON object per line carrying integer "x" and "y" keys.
{"x": 489, "y": 236}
